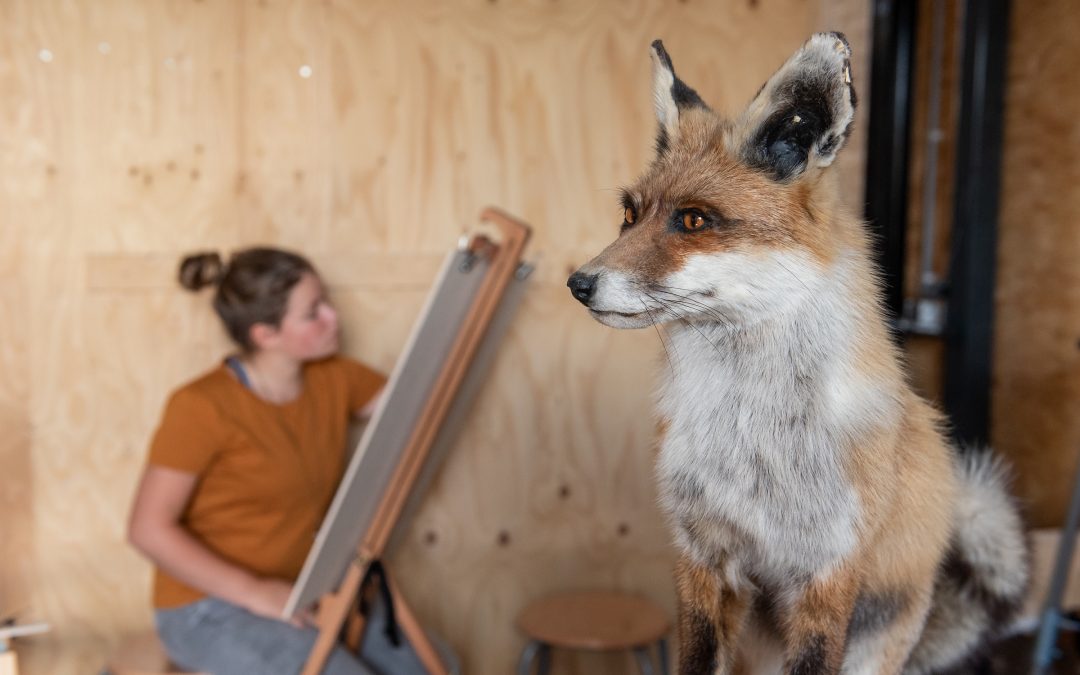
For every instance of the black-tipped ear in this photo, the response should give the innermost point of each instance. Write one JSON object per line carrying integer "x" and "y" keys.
{"x": 670, "y": 96}
{"x": 803, "y": 114}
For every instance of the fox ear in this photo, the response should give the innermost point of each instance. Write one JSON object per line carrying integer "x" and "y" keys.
{"x": 671, "y": 96}
{"x": 803, "y": 114}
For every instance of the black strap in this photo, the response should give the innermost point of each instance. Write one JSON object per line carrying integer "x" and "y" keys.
{"x": 377, "y": 575}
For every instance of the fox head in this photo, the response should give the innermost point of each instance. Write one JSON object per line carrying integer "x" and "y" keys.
{"x": 732, "y": 220}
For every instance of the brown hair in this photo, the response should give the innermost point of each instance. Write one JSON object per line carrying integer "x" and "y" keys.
{"x": 252, "y": 288}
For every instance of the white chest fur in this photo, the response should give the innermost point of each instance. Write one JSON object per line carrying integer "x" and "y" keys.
{"x": 754, "y": 463}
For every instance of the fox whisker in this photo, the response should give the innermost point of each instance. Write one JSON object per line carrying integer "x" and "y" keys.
{"x": 689, "y": 323}
{"x": 667, "y": 353}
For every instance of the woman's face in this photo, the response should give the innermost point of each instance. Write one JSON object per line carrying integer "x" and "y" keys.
{"x": 309, "y": 329}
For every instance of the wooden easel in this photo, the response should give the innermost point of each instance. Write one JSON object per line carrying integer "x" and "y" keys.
{"x": 339, "y": 606}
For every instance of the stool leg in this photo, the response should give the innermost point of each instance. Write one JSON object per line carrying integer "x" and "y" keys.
{"x": 643, "y": 660}
{"x": 545, "y": 660}
{"x": 527, "y": 656}
{"x": 661, "y": 648}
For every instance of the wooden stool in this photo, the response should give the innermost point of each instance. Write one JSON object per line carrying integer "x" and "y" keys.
{"x": 593, "y": 620}
{"x": 142, "y": 654}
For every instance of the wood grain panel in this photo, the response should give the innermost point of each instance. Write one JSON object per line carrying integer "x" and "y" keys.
{"x": 853, "y": 18}
{"x": 1036, "y": 392}
{"x": 16, "y": 486}
{"x": 156, "y": 112}
{"x": 23, "y": 167}
{"x": 1036, "y": 366}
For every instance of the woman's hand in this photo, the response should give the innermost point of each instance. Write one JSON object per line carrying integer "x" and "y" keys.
{"x": 364, "y": 414}
{"x": 267, "y": 598}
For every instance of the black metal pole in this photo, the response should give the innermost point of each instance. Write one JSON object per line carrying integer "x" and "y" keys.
{"x": 1050, "y": 620}
{"x": 888, "y": 147}
{"x": 969, "y": 325}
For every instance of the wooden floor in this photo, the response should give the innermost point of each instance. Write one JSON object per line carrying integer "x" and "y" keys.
{"x": 50, "y": 656}
{"x": 86, "y": 657}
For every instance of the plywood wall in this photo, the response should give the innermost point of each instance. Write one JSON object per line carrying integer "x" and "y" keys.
{"x": 1036, "y": 364}
{"x": 369, "y": 136}
{"x": 1036, "y": 395}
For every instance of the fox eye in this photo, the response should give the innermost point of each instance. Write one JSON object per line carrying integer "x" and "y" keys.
{"x": 692, "y": 221}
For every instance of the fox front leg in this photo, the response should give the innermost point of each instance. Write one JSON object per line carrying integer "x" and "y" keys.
{"x": 711, "y": 615}
{"x": 817, "y": 625}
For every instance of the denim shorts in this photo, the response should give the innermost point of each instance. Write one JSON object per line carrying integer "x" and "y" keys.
{"x": 213, "y": 636}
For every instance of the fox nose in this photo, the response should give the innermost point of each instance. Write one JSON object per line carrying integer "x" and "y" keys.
{"x": 582, "y": 286}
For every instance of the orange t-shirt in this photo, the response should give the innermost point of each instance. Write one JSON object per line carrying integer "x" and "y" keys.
{"x": 266, "y": 472}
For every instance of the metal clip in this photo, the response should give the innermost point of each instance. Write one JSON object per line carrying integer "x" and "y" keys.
{"x": 523, "y": 271}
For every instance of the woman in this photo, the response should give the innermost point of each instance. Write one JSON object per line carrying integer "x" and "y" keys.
{"x": 243, "y": 466}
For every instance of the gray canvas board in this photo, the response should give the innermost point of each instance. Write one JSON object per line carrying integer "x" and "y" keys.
{"x": 378, "y": 452}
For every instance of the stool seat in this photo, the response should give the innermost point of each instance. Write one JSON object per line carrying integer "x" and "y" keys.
{"x": 142, "y": 654}
{"x": 596, "y": 620}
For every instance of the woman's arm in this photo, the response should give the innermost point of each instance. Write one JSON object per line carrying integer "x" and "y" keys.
{"x": 155, "y": 530}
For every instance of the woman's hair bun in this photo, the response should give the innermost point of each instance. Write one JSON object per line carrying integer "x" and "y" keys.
{"x": 200, "y": 270}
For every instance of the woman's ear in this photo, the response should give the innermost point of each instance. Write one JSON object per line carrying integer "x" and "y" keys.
{"x": 802, "y": 116}
{"x": 263, "y": 335}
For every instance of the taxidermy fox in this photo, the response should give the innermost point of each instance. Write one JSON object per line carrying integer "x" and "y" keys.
{"x": 824, "y": 523}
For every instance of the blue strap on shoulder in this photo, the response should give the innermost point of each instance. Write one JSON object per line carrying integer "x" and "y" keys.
{"x": 234, "y": 365}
